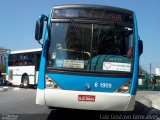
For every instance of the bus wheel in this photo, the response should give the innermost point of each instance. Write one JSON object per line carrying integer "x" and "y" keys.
{"x": 25, "y": 81}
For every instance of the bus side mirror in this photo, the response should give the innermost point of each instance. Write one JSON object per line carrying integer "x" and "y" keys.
{"x": 39, "y": 27}
{"x": 140, "y": 44}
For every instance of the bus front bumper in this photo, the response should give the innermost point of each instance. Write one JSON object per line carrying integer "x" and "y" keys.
{"x": 85, "y": 100}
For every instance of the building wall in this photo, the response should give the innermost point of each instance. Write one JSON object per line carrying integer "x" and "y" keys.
{"x": 2, "y": 59}
{"x": 157, "y": 71}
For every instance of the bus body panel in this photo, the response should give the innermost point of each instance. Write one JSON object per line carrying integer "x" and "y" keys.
{"x": 7, "y": 58}
{"x": 80, "y": 83}
{"x": 16, "y": 80}
{"x": 69, "y": 99}
{"x": 23, "y": 62}
{"x": 41, "y": 76}
{"x": 136, "y": 61}
{"x": 40, "y": 97}
{"x": 37, "y": 72}
{"x": 15, "y": 76}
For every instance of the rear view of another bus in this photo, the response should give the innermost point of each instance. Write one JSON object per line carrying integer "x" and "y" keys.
{"x": 22, "y": 67}
{"x": 90, "y": 58}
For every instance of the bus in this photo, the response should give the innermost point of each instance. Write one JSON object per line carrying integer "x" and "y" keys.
{"x": 22, "y": 67}
{"x": 90, "y": 58}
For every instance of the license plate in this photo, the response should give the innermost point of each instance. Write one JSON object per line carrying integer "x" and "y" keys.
{"x": 86, "y": 98}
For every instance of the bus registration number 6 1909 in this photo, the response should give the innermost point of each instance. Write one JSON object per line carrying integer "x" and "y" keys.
{"x": 103, "y": 85}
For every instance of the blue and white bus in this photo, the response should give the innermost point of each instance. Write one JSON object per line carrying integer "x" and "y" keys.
{"x": 90, "y": 58}
{"x": 22, "y": 67}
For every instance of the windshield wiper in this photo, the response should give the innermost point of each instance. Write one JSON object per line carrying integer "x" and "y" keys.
{"x": 77, "y": 31}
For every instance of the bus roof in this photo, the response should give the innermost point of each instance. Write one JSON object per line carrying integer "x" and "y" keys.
{"x": 92, "y": 7}
{"x": 26, "y": 51}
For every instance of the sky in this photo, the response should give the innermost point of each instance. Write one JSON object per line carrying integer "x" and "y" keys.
{"x": 18, "y": 18}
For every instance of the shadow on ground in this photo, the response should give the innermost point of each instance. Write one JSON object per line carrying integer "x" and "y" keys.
{"x": 140, "y": 112}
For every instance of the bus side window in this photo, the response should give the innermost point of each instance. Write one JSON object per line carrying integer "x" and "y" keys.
{"x": 30, "y": 62}
{"x": 16, "y": 63}
{"x": 20, "y": 63}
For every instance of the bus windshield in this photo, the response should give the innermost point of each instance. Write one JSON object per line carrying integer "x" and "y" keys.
{"x": 91, "y": 47}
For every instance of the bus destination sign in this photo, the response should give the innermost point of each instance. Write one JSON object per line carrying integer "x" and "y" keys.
{"x": 96, "y": 14}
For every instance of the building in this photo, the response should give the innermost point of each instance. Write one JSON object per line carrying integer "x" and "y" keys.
{"x": 2, "y": 59}
{"x": 3, "y": 53}
{"x": 157, "y": 71}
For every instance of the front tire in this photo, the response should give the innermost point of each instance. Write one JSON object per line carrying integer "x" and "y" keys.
{"x": 25, "y": 81}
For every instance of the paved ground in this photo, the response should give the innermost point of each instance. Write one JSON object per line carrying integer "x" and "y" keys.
{"x": 20, "y": 103}
{"x": 149, "y": 98}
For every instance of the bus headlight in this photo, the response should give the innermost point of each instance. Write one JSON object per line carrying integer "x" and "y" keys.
{"x": 125, "y": 88}
{"x": 51, "y": 84}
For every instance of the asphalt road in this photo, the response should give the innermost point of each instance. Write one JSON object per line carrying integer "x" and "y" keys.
{"x": 19, "y": 103}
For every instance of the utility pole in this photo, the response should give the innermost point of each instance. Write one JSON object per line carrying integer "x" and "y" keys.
{"x": 150, "y": 72}
{"x": 150, "y": 68}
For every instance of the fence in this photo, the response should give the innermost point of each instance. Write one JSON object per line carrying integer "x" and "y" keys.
{"x": 145, "y": 83}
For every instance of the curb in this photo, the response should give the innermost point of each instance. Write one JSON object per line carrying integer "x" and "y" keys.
{"x": 146, "y": 101}
{"x": 155, "y": 105}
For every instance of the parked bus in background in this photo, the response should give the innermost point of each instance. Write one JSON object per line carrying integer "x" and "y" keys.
{"x": 22, "y": 67}
{"x": 90, "y": 58}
